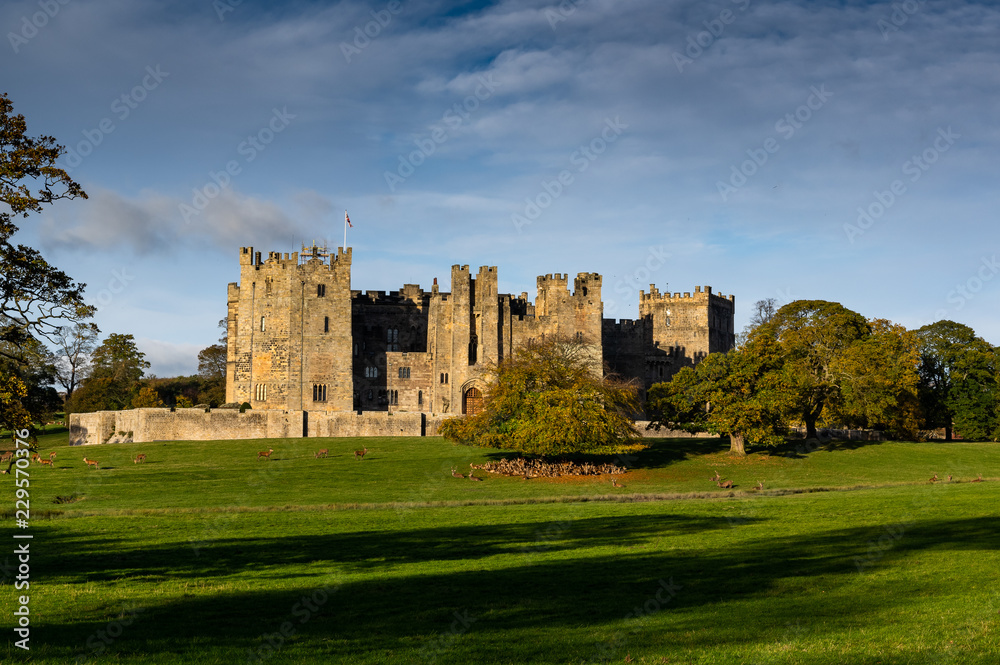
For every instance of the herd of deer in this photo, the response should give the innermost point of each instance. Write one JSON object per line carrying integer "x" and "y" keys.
{"x": 934, "y": 479}
{"x": 358, "y": 454}
{"x": 456, "y": 474}
{"x": 728, "y": 484}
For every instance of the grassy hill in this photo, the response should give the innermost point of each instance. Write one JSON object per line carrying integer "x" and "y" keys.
{"x": 203, "y": 554}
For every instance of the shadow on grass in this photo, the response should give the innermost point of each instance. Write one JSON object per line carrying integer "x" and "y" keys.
{"x": 515, "y": 608}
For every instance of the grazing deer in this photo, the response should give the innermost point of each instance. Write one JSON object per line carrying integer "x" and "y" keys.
{"x": 141, "y": 457}
{"x": 322, "y": 453}
{"x": 454, "y": 473}
{"x": 92, "y": 462}
{"x": 52, "y": 456}
{"x": 725, "y": 484}
{"x": 760, "y": 484}
{"x": 934, "y": 478}
{"x": 45, "y": 462}
{"x": 977, "y": 480}
{"x": 6, "y": 455}
{"x": 35, "y": 457}
{"x": 265, "y": 453}
{"x": 717, "y": 477}
{"x": 360, "y": 454}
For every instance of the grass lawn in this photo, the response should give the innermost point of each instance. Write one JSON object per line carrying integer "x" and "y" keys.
{"x": 206, "y": 555}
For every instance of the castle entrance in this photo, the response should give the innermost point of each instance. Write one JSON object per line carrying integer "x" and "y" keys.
{"x": 472, "y": 402}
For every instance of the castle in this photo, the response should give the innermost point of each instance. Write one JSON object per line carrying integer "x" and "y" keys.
{"x": 300, "y": 339}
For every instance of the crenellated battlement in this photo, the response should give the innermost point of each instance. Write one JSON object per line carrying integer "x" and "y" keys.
{"x": 699, "y": 295}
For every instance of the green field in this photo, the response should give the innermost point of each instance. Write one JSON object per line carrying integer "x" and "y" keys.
{"x": 204, "y": 554}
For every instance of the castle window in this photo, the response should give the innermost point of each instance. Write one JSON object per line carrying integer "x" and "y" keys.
{"x": 262, "y": 326}
{"x": 319, "y": 393}
{"x": 326, "y": 324}
{"x": 371, "y": 372}
{"x": 579, "y": 336}
{"x": 394, "y": 397}
{"x": 473, "y": 349}
{"x": 267, "y": 286}
{"x": 320, "y": 290}
{"x": 444, "y": 377}
{"x": 260, "y": 392}
{"x": 404, "y": 372}
{"x": 355, "y": 348}
{"x": 369, "y": 394}
{"x": 585, "y": 290}
{"x": 420, "y": 398}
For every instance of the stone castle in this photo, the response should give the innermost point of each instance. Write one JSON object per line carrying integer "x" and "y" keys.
{"x": 300, "y": 339}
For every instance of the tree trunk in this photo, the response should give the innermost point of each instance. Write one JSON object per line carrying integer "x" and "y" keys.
{"x": 810, "y": 427}
{"x": 736, "y": 445}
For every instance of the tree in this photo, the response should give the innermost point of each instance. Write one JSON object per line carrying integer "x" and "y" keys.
{"x": 546, "y": 400}
{"x": 75, "y": 344}
{"x": 763, "y": 312}
{"x": 943, "y": 347}
{"x": 147, "y": 397}
{"x": 118, "y": 365}
{"x": 744, "y": 393}
{"x": 813, "y": 335}
{"x": 212, "y": 362}
{"x": 878, "y": 380}
{"x": 34, "y": 297}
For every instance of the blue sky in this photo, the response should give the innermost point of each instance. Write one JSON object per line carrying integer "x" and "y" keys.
{"x": 842, "y": 151}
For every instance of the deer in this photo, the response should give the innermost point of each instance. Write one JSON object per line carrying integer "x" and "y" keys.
{"x": 615, "y": 483}
{"x": 471, "y": 476}
{"x": 92, "y": 462}
{"x": 933, "y": 479}
{"x": 977, "y": 480}
{"x": 265, "y": 453}
{"x": 725, "y": 484}
{"x": 322, "y": 453}
{"x": 455, "y": 473}
{"x": 760, "y": 484}
{"x": 45, "y": 462}
{"x": 35, "y": 457}
{"x": 141, "y": 457}
{"x": 6, "y": 455}
{"x": 52, "y": 456}
{"x": 360, "y": 454}
{"x": 949, "y": 477}
{"x": 717, "y": 477}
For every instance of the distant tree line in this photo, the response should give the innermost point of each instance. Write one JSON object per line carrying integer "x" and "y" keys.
{"x": 816, "y": 363}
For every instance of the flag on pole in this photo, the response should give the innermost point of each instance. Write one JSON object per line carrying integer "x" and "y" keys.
{"x": 348, "y": 220}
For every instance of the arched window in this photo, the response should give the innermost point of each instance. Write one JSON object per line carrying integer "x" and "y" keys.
{"x": 262, "y": 326}
{"x": 320, "y": 290}
{"x": 326, "y": 324}
{"x": 420, "y": 398}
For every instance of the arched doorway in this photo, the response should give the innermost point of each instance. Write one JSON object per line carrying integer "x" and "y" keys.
{"x": 472, "y": 402}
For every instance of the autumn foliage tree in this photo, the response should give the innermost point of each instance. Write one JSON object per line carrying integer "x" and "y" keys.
{"x": 546, "y": 399}
{"x": 744, "y": 394}
{"x": 36, "y": 299}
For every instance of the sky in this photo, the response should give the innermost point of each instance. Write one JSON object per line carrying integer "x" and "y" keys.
{"x": 841, "y": 151}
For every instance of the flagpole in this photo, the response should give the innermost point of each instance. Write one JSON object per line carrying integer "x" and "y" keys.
{"x": 345, "y": 231}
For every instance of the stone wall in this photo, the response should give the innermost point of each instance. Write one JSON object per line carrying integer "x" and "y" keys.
{"x": 141, "y": 425}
